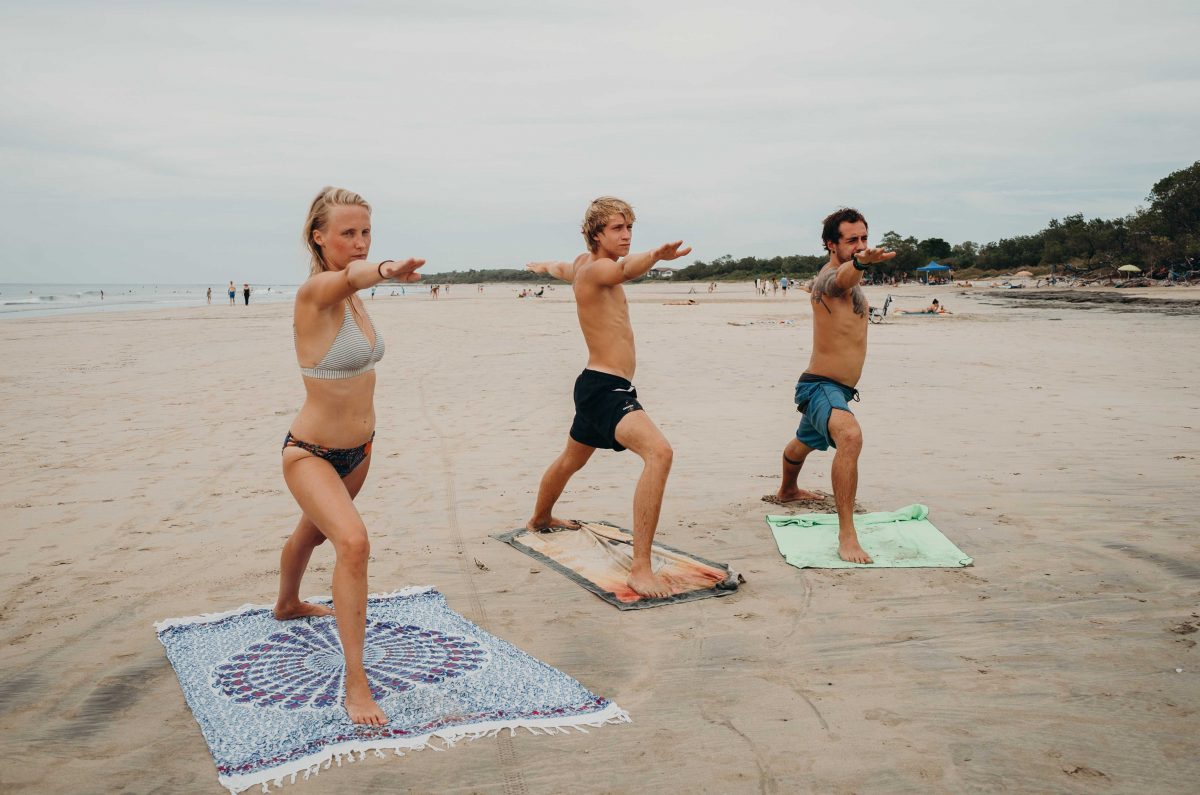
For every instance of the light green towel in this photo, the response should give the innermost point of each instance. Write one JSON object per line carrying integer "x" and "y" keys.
{"x": 893, "y": 539}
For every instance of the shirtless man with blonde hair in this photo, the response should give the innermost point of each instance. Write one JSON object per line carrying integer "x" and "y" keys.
{"x": 825, "y": 389}
{"x": 607, "y": 412}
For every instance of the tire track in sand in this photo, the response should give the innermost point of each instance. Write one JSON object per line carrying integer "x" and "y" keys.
{"x": 514, "y": 783}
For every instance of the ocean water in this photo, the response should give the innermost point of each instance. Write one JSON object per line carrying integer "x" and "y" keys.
{"x": 42, "y": 300}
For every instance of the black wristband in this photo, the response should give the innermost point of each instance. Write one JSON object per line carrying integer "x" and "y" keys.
{"x": 858, "y": 265}
{"x": 383, "y": 278}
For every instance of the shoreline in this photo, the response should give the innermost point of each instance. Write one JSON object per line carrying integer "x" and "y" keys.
{"x": 1165, "y": 300}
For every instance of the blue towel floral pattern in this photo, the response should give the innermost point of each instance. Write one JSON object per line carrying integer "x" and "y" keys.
{"x": 267, "y": 694}
{"x": 303, "y": 666}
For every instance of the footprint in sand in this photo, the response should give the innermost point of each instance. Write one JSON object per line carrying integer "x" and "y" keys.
{"x": 886, "y": 717}
{"x": 825, "y": 504}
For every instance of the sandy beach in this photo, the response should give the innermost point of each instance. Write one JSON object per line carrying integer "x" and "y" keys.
{"x": 1057, "y": 445}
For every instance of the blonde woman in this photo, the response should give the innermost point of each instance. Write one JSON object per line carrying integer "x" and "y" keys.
{"x": 327, "y": 451}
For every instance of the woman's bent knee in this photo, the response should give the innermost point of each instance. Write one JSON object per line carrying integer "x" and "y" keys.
{"x": 354, "y": 548}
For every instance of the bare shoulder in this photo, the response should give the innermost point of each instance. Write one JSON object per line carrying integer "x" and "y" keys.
{"x": 314, "y": 283}
{"x": 825, "y": 283}
{"x": 598, "y": 271}
{"x": 322, "y": 290}
{"x": 604, "y": 272}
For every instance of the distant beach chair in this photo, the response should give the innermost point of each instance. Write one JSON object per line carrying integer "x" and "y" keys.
{"x": 876, "y": 315}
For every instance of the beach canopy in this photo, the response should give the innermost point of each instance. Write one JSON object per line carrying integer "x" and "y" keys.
{"x": 933, "y": 266}
{"x": 1023, "y": 273}
{"x": 1130, "y": 269}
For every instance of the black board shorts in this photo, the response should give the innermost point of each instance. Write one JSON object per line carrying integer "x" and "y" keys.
{"x": 601, "y": 401}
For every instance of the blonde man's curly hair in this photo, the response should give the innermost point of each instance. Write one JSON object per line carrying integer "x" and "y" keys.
{"x": 597, "y": 215}
{"x": 318, "y": 218}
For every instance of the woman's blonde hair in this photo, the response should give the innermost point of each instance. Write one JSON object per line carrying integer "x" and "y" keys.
{"x": 597, "y": 215}
{"x": 318, "y": 218}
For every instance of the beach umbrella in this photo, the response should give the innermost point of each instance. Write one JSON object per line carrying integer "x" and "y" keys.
{"x": 1130, "y": 269}
{"x": 1023, "y": 273}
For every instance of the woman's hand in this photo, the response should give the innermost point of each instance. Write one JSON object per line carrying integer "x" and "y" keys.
{"x": 401, "y": 270}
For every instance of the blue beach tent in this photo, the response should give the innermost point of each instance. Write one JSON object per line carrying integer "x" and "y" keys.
{"x": 932, "y": 267}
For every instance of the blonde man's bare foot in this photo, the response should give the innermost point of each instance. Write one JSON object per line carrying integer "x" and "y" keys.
{"x": 361, "y": 707}
{"x": 285, "y": 612}
{"x": 851, "y": 551}
{"x": 537, "y": 525}
{"x": 648, "y": 584}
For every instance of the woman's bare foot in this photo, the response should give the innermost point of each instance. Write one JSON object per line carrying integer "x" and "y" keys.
{"x": 647, "y": 583}
{"x": 284, "y": 612}
{"x": 360, "y": 706}
{"x": 851, "y": 551}
{"x": 537, "y": 525}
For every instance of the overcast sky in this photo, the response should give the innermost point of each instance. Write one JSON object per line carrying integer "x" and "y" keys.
{"x": 176, "y": 142}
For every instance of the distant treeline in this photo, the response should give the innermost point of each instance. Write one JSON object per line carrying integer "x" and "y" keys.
{"x": 1160, "y": 238}
{"x": 487, "y": 275}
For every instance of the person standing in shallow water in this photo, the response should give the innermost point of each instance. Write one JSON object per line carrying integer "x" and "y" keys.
{"x": 839, "y": 351}
{"x": 232, "y": 294}
{"x": 607, "y": 412}
{"x": 327, "y": 451}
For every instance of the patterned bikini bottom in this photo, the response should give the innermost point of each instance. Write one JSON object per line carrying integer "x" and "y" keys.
{"x": 344, "y": 459}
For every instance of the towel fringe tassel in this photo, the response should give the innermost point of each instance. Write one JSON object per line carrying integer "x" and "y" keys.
{"x": 311, "y": 767}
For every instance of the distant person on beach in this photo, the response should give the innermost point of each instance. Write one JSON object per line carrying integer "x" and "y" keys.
{"x": 210, "y": 295}
{"x": 825, "y": 389}
{"x": 607, "y": 412}
{"x": 232, "y": 294}
{"x": 327, "y": 450}
{"x": 246, "y": 293}
{"x": 934, "y": 308}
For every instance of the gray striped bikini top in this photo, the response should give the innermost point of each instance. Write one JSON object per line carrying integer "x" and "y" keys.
{"x": 350, "y": 354}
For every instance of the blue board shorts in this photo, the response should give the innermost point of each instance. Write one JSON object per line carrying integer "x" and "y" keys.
{"x": 816, "y": 398}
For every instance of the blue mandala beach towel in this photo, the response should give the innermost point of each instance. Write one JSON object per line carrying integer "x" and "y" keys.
{"x": 267, "y": 694}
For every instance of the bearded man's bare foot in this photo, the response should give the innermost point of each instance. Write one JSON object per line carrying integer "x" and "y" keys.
{"x": 851, "y": 551}
{"x": 793, "y": 494}
{"x": 538, "y": 525}
{"x": 647, "y": 583}
{"x": 361, "y": 707}
{"x": 284, "y": 612}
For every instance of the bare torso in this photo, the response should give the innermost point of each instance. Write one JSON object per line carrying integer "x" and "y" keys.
{"x": 336, "y": 413}
{"x": 839, "y": 332}
{"x": 604, "y": 319}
